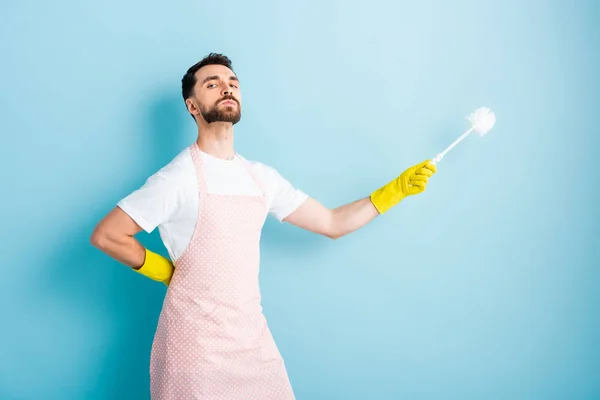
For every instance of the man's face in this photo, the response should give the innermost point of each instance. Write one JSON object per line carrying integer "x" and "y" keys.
{"x": 217, "y": 95}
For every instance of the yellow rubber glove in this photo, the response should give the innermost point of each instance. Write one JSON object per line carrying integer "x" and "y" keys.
{"x": 156, "y": 267}
{"x": 412, "y": 181}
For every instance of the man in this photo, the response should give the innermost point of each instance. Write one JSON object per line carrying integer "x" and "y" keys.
{"x": 210, "y": 204}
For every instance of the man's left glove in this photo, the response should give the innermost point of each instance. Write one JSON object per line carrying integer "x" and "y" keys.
{"x": 411, "y": 182}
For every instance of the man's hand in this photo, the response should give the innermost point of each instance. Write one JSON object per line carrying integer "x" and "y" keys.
{"x": 411, "y": 182}
{"x": 156, "y": 267}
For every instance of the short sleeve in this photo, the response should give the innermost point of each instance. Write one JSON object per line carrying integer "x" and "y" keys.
{"x": 285, "y": 198}
{"x": 158, "y": 200}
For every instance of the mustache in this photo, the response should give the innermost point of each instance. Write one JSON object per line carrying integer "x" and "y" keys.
{"x": 228, "y": 98}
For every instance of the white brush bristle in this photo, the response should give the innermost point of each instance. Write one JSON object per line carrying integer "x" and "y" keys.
{"x": 482, "y": 120}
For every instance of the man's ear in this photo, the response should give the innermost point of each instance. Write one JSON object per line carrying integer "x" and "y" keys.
{"x": 191, "y": 106}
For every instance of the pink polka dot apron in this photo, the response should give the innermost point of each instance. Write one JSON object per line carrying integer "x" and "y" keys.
{"x": 212, "y": 340}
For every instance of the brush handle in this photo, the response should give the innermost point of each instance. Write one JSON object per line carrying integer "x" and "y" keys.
{"x": 441, "y": 155}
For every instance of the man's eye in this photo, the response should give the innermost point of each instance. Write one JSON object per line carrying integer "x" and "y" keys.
{"x": 232, "y": 85}
{"x": 211, "y": 85}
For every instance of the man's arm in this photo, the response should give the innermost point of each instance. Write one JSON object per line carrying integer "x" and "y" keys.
{"x": 315, "y": 217}
{"x": 114, "y": 235}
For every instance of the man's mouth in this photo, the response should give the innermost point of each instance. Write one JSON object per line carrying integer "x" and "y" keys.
{"x": 228, "y": 102}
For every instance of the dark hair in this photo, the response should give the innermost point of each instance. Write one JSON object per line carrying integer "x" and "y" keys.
{"x": 189, "y": 79}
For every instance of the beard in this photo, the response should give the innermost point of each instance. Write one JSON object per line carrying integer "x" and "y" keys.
{"x": 219, "y": 113}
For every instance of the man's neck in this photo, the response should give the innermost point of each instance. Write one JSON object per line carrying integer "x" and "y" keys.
{"x": 217, "y": 140}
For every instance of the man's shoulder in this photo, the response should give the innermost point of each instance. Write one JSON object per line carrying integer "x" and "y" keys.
{"x": 181, "y": 166}
{"x": 258, "y": 166}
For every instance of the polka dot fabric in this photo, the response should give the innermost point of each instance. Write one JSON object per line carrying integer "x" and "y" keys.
{"x": 212, "y": 340}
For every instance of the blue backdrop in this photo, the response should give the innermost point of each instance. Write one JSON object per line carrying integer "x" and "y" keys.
{"x": 485, "y": 286}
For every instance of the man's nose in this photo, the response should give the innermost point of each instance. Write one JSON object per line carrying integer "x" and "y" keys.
{"x": 227, "y": 91}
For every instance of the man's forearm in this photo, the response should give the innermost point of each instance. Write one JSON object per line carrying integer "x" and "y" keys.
{"x": 125, "y": 249}
{"x": 114, "y": 236}
{"x": 350, "y": 217}
{"x": 129, "y": 251}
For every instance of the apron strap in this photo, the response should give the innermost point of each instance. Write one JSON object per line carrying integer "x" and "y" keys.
{"x": 197, "y": 158}
{"x": 252, "y": 173}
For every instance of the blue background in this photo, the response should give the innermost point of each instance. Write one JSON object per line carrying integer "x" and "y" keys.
{"x": 485, "y": 286}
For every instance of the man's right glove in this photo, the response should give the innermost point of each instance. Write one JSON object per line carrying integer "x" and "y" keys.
{"x": 156, "y": 267}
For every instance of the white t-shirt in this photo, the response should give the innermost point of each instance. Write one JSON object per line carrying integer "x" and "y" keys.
{"x": 169, "y": 198}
